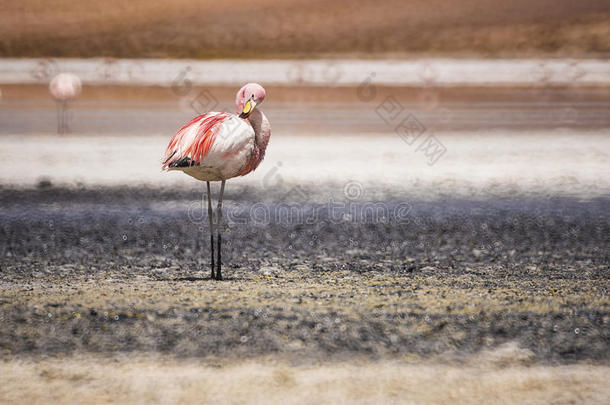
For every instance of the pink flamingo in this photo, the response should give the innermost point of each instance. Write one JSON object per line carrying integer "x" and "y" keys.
{"x": 217, "y": 146}
{"x": 64, "y": 87}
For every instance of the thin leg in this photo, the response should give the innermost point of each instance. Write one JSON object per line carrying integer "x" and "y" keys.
{"x": 211, "y": 218}
{"x": 59, "y": 118}
{"x": 64, "y": 117}
{"x": 219, "y": 215}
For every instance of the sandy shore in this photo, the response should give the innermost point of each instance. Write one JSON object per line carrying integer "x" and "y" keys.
{"x": 499, "y": 377}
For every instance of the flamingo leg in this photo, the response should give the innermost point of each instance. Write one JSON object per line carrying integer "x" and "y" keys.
{"x": 211, "y": 218}
{"x": 59, "y": 118}
{"x": 219, "y": 215}
{"x": 64, "y": 117}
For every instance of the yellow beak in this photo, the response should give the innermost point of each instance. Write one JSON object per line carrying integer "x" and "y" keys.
{"x": 248, "y": 107}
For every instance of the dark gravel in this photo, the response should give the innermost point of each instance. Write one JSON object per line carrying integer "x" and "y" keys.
{"x": 124, "y": 269}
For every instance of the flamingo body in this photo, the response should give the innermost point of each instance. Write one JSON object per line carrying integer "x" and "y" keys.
{"x": 212, "y": 147}
{"x": 65, "y": 86}
{"x": 217, "y": 146}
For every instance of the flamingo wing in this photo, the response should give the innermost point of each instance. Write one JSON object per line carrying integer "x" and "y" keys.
{"x": 213, "y": 140}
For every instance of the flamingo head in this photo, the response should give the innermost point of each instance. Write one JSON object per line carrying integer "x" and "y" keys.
{"x": 249, "y": 97}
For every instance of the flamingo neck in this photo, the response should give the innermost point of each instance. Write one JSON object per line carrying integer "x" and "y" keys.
{"x": 262, "y": 131}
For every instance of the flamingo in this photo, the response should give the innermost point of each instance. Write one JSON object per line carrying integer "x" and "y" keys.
{"x": 217, "y": 146}
{"x": 64, "y": 87}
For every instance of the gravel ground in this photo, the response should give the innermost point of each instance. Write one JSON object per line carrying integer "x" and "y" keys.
{"x": 120, "y": 269}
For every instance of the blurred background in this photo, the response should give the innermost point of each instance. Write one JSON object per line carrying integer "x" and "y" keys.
{"x": 331, "y": 69}
{"x": 291, "y": 29}
{"x": 467, "y": 144}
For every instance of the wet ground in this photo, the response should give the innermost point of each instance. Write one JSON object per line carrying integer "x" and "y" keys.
{"x": 126, "y": 269}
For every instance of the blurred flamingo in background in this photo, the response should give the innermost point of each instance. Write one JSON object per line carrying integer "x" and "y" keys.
{"x": 64, "y": 87}
{"x": 217, "y": 146}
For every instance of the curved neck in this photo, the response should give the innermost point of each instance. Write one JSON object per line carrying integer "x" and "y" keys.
{"x": 262, "y": 129}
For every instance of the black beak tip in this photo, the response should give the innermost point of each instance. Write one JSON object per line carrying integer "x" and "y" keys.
{"x": 243, "y": 115}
